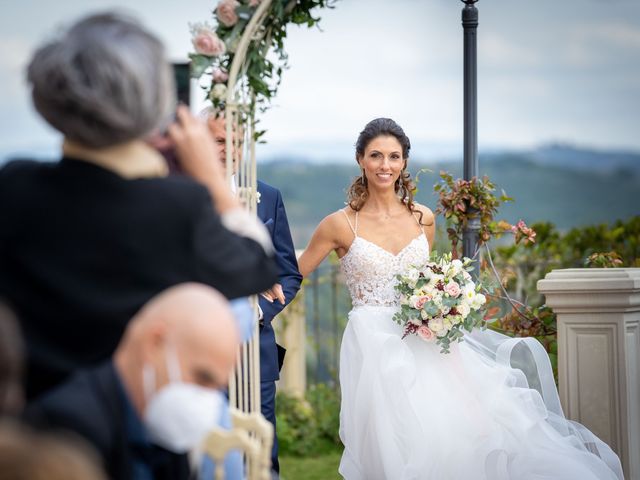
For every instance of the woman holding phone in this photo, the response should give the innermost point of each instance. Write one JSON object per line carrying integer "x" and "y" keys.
{"x": 87, "y": 240}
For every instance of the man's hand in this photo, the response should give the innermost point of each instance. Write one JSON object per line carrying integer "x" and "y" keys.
{"x": 274, "y": 293}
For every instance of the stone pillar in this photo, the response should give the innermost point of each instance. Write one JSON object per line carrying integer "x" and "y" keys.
{"x": 598, "y": 312}
{"x": 291, "y": 333}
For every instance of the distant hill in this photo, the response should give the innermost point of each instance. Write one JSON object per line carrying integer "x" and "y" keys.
{"x": 567, "y": 156}
{"x": 567, "y": 197}
{"x": 563, "y": 184}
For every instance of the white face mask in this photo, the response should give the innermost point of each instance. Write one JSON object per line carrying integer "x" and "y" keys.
{"x": 179, "y": 415}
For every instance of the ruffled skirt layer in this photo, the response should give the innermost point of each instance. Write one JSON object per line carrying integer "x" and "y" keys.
{"x": 410, "y": 412}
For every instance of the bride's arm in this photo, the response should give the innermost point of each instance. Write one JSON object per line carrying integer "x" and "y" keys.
{"x": 322, "y": 242}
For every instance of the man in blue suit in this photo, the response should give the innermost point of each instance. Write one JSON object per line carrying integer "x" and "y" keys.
{"x": 272, "y": 213}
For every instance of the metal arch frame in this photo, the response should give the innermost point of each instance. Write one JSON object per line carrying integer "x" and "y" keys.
{"x": 244, "y": 384}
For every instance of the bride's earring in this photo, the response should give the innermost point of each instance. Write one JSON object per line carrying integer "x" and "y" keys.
{"x": 362, "y": 178}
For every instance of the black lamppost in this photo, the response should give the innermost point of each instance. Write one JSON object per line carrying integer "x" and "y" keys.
{"x": 470, "y": 25}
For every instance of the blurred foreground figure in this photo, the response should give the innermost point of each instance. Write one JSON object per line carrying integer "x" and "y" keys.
{"x": 86, "y": 241}
{"x": 160, "y": 395}
{"x": 11, "y": 364}
{"x": 27, "y": 455}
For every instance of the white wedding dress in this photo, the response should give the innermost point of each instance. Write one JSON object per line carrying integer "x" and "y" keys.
{"x": 410, "y": 412}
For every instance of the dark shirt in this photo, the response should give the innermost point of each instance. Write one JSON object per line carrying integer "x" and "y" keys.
{"x": 83, "y": 249}
{"x": 137, "y": 438}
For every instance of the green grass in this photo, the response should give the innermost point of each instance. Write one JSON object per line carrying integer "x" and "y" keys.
{"x": 324, "y": 467}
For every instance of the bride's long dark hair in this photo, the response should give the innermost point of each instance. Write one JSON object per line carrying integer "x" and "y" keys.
{"x": 358, "y": 192}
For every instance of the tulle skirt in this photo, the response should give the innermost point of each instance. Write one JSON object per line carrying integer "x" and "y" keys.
{"x": 410, "y": 412}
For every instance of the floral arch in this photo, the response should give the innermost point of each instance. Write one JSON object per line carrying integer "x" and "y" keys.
{"x": 243, "y": 55}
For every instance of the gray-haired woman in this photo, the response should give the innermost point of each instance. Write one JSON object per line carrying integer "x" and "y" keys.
{"x": 86, "y": 241}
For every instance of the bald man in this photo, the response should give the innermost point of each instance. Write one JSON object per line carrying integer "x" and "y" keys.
{"x": 160, "y": 394}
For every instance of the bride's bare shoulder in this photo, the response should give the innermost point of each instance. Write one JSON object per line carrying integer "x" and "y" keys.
{"x": 338, "y": 220}
{"x": 427, "y": 215}
{"x": 336, "y": 225}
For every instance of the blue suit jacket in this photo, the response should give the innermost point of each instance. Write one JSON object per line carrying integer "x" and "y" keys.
{"x": 272, "y": 213}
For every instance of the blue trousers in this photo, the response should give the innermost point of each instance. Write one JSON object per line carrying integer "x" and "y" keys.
{"x": 268, "y": 408}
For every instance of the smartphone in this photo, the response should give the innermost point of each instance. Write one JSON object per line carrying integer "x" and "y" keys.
{"x": 182, "y": 77}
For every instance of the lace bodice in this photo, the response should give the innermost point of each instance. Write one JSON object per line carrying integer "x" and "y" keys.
{"x": 370, "y": 270}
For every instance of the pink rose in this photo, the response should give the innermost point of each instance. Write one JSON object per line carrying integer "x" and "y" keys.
{"x": 453, "y": 289}
{"x": 425, "y": 333}
{"x": 226, "y": 12}
{"x": 206, "y": 42}
{"x": 421, "y": 301}
{"x": 220, "y": 76}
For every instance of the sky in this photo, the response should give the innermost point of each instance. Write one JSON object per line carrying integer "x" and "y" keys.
{"x": 548, "y": 71}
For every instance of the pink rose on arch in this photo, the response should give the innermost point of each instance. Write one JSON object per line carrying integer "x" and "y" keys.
{"x": 220, "y": 76}
{"x": 206, "y": 42}
{"x": 425, "y": 333}
{"x": 453, "y": 289}
{"x": 226, "y": 12}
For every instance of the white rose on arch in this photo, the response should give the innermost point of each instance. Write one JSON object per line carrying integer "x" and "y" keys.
{"x": 219, "y": 91}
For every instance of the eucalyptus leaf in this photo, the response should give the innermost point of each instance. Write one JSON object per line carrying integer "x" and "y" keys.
{"x": 199, "y": 64}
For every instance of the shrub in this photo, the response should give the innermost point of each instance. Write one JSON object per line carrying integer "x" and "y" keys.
{"x": 308, "y": 427}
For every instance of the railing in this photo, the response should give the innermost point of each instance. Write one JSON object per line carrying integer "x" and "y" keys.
{"x": 311, "y": 330}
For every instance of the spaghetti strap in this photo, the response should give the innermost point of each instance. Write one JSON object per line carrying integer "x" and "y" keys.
{"x": 353, "y": 229}
{"x": 420, "y": 226}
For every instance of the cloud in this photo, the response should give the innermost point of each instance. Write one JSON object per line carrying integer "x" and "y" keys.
{"x": 547, "y": 70}
{"x": 601, "y": 44}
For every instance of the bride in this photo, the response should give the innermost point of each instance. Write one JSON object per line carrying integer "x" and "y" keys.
{"x": 408, "y": 411}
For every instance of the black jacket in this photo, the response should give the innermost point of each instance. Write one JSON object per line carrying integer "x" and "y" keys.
{"x": 82, "y": 249}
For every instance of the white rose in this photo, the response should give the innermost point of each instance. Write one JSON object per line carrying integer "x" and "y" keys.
{"x": 454, "y": 268}
{"x": 412, "y": 300}
{"x": 219, "y": 91}
{"x": 411, "y": 277}
{"x": 448, "y": 323}
{"x": 435, "y": 278}
{"x": 463, "y": 309}
{"x": 478, "y": 301}
{"x": 436, "y": 325}
{"x": 437, "y": 299}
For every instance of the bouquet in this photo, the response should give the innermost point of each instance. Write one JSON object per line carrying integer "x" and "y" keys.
{"x": 438, "y": 300}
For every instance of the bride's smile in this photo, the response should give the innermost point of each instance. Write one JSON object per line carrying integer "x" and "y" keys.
{"x": 382, "y": 162}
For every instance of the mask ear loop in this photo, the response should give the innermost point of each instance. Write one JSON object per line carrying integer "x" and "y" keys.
{"x": 173, "y": 364}
{"x": 148, "y": 381}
